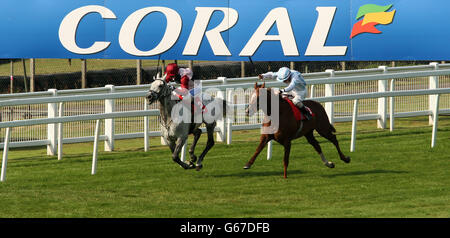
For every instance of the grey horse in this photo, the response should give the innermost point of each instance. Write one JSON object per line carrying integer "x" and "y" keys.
{"x": 176, "y": 131}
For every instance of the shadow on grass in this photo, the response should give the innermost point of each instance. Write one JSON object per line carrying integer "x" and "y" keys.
{"x": 250, "y": 173}
{"x": 355, "y": 173}
{"x": 362, "y": 135}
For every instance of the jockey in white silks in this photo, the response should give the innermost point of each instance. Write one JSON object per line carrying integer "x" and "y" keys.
{"x": 296, "y": 88}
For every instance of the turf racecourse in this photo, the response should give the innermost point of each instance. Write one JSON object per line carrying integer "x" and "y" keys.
{"x": 392, "y": 174}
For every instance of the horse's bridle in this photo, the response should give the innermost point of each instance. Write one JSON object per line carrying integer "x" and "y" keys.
{"x": 153, "y": 96}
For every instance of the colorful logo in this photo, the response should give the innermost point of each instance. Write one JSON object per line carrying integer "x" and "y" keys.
{"x": 373, "y": 15}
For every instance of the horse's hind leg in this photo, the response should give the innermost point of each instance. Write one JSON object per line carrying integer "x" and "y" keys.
{"x": 332, "y": 137}
{"x": 287, "y": 151}
{"x": 209, "y": 145}
{"x": 176, "y": 152}
{"x": 197, "y": 133}
{"x": 312, "y": 140}
{"x": 263, "y": 142}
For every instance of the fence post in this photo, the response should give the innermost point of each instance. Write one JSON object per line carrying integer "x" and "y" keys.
{"x": 221, "y": 124}
{"x": 95, "y": 150}
{"x": 242, "y": 69}
{"x": 382, "y": 102}
{"x": 354, "y": 122}
{"x": 313, "y": 93}
{"x": 146, "y": 139}
{"x": 60, "y": 131}
{"x": 32, "y": 75}
{"x": 342, "y": 63}
{"x": 11, "y": 77}
{"x": 163, "y": 67}
{"x": 5, "y": 154}
{"x": 329, "y": 91}
{"x": 83, "y": 73}
{"x": 392, "y": 107}
{"x": 432, "y": 99}
{"x": 435, "y": 114}
{"x": 25, "y": 78}
{"x": 52, "y": 131}
{"x": 230, "y": 115}
{"x": 138, "y": 72}
{"x": 109, "y": 123}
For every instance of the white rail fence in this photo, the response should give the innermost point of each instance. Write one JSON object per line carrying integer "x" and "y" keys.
{"x": 58, "y": 117}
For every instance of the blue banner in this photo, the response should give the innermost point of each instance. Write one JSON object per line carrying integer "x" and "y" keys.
{"x": 232, "y": 30}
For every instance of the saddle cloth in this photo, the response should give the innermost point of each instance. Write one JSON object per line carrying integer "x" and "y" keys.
{"x": 297, "y": 113}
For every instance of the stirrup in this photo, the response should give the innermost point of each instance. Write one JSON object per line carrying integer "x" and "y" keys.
{"x": 306, "y": 113}
{"x": 308, "y": 116}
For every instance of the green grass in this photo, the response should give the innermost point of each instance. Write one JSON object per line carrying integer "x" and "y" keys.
{"x": 392, "y": 174}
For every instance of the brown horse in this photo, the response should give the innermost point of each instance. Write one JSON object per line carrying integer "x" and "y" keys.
{"x": 289, "y": 128}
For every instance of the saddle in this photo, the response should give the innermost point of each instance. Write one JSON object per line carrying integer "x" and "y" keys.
{"x": 298, "y": 115}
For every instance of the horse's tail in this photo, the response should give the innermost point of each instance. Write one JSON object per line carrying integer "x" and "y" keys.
{"x": 226, "y": 108}
{"x": 323, "y": 124}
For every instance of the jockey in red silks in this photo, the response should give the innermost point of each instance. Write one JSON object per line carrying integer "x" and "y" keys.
{"x": 183, "y": 76}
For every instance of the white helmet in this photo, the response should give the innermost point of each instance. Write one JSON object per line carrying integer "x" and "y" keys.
{"x": 283, "y": 74}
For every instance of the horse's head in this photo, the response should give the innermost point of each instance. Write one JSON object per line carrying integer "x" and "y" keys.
{"x": 253, "y": 105}
{"x": 158, "y": 89}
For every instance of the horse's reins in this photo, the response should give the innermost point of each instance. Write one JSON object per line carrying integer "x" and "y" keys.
{"x": 254, "y": 68}
{"x": 156, "y": 96}
{"x": 157, "y": 67}
{"x": 167, "y": 93}
{"x": 159, "y": 95}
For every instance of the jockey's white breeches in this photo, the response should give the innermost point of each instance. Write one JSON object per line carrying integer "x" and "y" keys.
{"x": 299, "y": 95}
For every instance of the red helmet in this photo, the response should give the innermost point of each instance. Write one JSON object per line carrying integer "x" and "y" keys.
{"x": 171, "y": 70}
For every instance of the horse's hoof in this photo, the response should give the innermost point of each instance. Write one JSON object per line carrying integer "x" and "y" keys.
{"x": 184, "y": 165}
{"x": 191, "y": 165}
{"x": 193, "y": 159}
{"x": 329, "y": 165}
{"x": 198, "y": 167}
{"x": 247, "y": 166}
{"x": 346, "y": 159}
{"x": 181, "y": 163}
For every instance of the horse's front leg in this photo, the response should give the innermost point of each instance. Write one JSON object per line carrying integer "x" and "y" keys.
{"x": 263, "y": 142}
{"x": 171, "y": 144}
{"x": 176, "y": 152}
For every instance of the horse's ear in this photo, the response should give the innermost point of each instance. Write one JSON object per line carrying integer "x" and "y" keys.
{"x": 256, "y": 85}
{"x": 263, "y": 85}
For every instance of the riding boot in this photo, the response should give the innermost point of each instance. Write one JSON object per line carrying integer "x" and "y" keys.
{"x": 305, "y": 111}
